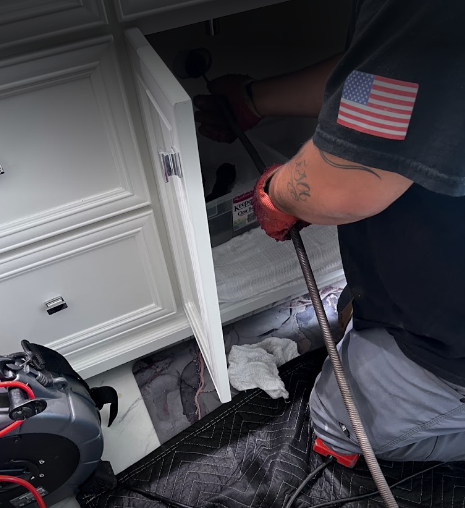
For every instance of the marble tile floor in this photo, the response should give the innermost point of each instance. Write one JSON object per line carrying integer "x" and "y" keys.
{"x": 132, "y": 435}
{"x": 175, "y": 383}
{"x": 170, "y": 382}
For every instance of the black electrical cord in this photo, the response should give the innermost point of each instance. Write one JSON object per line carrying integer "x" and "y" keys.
{"x": 155, "y": 497}
{"x": 310, "y": 477}
{"x": 344, "y": 500}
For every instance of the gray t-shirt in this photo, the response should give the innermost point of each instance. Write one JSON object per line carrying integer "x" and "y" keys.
{"x": 396, "y": 102}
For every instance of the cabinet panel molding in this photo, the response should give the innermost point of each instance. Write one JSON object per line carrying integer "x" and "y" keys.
{"x": 67, "y": 145}
{"x": 31, "y": 20}
{"x": 106, "y": 276}
{"x": 133, "y": 9}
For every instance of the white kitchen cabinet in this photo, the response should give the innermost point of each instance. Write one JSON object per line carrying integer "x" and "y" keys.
{"x": 26, "y": 21}
{"x": 78, "y": 224}
{"x": 67, "y": 147}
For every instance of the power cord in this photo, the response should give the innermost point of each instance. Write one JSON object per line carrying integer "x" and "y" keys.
{"x": 27, "y": 485}
{"x": 9, "y": 428}
{"x": 344, "y": 500}
{"x": 310, "y": 477}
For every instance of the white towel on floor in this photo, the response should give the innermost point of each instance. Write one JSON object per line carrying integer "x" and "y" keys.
{"x": 254, "y": 264}
{"x": 256, "y": 365}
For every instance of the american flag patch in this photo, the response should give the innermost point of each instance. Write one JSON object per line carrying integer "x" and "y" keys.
{"x": 376, "y": 105}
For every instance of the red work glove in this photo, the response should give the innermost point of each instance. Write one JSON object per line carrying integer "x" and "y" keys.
{"x": 275, "y": 223}
{"x": 212, "y": 123}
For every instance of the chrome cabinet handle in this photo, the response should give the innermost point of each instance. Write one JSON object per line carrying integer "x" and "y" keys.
{"x": 55, "y": 305}
{"x": 2, "y": 171}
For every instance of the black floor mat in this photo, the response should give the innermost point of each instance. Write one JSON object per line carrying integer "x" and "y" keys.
{"x": 255, "y": 451}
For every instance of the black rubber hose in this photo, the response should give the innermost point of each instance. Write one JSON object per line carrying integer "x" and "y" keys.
{"x": 309, "y": 478}
{"x": 353, "y": 499}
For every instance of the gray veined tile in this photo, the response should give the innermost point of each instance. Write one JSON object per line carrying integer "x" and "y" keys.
{"x": 175, "y": 383}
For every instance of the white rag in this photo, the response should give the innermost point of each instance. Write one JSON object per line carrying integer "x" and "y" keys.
{"x": 256, "y": 365}
{"x": 254, "y": 264}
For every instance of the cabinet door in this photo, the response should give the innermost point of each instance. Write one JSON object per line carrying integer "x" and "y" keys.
{"x": 169, "y": 122}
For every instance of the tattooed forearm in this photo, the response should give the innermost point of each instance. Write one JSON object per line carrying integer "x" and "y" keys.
{"x": 298, "y": 187}
{"x": 325, "y": 157}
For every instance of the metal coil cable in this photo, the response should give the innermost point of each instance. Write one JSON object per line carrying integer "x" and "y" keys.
{"x": 341, "y": 379}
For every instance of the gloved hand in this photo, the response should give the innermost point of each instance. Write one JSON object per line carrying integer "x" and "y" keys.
{"x": 212, "y": 123}
{"x": 275, "y": 223}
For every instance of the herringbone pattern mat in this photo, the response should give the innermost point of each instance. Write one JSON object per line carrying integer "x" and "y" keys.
{"x": 255, "y": 451}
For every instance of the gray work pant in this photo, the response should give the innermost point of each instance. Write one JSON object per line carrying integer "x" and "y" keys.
{"x": 408, "y": 412}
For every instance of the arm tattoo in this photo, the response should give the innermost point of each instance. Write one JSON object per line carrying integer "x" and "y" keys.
{"x": 297, "y": 186}
{"x": 346, "y": 166}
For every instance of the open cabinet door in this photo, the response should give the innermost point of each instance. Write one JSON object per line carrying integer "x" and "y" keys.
{"x": 169, "y": 122}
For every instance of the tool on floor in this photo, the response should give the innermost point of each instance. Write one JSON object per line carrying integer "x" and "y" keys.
{"x": 51, "y": 439}
{"x": 196, "y": 64}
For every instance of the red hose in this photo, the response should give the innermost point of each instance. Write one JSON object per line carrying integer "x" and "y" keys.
{"x": 27, "y": 389}
{"x": 13, "y": 479}
{"x": 18, "y": 384}
{"x": 10, "y": 427}
{"x": 27, "y": 485}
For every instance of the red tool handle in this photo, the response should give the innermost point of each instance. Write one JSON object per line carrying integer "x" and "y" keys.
{"x": 344, "y": 460}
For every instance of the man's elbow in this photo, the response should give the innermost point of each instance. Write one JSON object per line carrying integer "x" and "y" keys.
{"x": 346, "y": 209}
